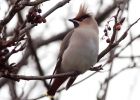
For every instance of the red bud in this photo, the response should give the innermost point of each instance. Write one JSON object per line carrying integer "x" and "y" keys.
{"x": 108, "y": 40}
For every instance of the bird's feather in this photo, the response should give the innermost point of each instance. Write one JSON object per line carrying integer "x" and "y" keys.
{"x": 58, "y": 81}
{"x": 70, "y": 81}
{"x": 65, "y": 44}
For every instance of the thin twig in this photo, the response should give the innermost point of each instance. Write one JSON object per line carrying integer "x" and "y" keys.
{"x": 110, "y": 47}
{"x": 33, "y": 3}
{"x": 23, "y": 77}
{"x": 39, "y": 68}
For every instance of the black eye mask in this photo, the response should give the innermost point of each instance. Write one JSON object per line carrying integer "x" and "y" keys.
{"x": 76, "y": 24}
{"x": 82, "y": 17}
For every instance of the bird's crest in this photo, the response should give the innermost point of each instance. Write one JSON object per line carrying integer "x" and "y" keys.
{"x": 82, "y": 13}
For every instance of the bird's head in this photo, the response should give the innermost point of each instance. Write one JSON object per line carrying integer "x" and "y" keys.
{"x": 83, "y": 17}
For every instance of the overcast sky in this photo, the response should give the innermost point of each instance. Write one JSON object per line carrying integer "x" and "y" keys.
{"x": 123, "y": 87}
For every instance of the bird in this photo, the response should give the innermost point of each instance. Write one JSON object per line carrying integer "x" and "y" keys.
{"x": 78, "y": 50}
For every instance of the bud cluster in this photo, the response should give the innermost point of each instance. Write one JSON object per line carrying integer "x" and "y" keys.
{"x": 117, "y": 27}
{"x": 8, "y": 47}
{"x": 107, "y": 28}
{"x": 34, "y": 16}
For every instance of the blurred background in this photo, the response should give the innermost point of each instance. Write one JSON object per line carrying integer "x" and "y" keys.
{"x": 37, "y": 47}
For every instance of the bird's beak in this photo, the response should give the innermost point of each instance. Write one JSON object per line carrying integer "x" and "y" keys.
{"x": 76, "y": 23}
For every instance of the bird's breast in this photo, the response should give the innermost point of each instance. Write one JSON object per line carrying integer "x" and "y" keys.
{"x": 80, "y": 55}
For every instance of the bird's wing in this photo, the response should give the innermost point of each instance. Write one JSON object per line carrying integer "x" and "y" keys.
{"x": 65, "y": 43}
{"x": 63, "y": 47}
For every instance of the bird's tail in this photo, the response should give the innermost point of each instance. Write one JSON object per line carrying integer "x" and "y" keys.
{"x": 55, "y": 85}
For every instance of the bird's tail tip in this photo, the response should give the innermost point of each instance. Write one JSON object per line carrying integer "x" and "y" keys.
{"x": 49, "y": 96}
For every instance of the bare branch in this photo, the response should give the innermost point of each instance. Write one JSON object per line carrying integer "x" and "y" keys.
{"x": 33, "y": 3}
{"x": 23, "y": 77}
